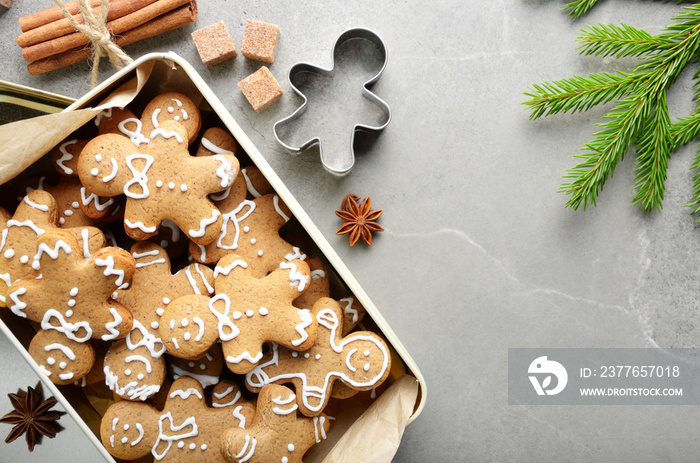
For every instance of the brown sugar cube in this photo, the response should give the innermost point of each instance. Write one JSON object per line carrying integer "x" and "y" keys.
{"x": 260, "y": 41}
{"x": 261, "y": 89}
{"x": 214, "y": 43}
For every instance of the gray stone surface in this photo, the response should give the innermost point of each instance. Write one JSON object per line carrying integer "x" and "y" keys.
{"x": 479, "y": 252}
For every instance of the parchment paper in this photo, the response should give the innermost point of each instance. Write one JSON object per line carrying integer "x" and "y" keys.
{"x": 375, "y": 436}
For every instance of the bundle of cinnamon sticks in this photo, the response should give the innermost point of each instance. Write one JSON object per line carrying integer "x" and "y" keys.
{"x": 50, "y": 42}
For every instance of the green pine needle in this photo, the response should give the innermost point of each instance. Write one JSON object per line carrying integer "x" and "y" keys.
{"x": 639, "y": 118}
{"x": 578, "y": 8}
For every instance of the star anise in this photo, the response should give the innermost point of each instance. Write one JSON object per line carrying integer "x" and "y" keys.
{"x": 360, "y": 220}
{"x": 31, "y": 416}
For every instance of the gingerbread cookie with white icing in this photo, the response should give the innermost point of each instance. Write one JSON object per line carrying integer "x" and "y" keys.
{"x": 161, "y": 181}
{"x": 185, "y": 431}
{"x": 276, "y": 433}
{"x": 73, "y": 298}
{"x": 251, "y": 230}
{"x": 172, "y": 106}
{"x": 135, "y": 368}
{"x": 63, "y": 360}
{"x": 245, "y": 313}
{"x": 361, "y": 360}
{"x": 36, "y": 214}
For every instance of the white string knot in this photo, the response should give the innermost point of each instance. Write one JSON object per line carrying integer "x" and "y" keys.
{"x": 96, "y": 30}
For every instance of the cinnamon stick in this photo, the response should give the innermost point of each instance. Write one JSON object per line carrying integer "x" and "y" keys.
{"x": 172, "y": 20}
{"x": 40, "y": 18}
{"x": 61, "y": 27}
{"x": 118, "y": 27}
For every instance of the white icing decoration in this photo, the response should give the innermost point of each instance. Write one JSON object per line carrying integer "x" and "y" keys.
{"x": 53, "y": 253}
{"x": 248, "y": 441}
{"x": 166, "y": 134}
{"x": 185, "y": 394}
{"x": 140, "y": 225}
{"x": 237, "y": 414}
{"x": 139, "y": 176}
{"x": 65, "y": 349}
{"x": 347, "y": 360}
{"x": 85, "y": 236}
{"x": 204, "y": 380}
{"x": 154, "y": 118}
{"x": 226, "y": 270}
{"x": 223, "y": 320}
{"x": 349, "y": 309}
{"x": 115, "y": 169}
{"x": 318, "y": 426}
{"x": 145, "y": 264}
{"x": 65, "y": 376}
{"x": 263, "y": 311}
{"x": 41, "y": 207}
{"x": 210, "y": 288}
{"x": 108, "y": 263}
{"x": 18, "y": 306}
{"x": 285, "y": 411}
{"x": 317, "y": 274}
{"x": 296, "y": 254}
{"x": 200, "y": 323}
{"x": 148, "y": 340}
{"x": 94, "y": 172}
{"x": 74, "y": 292}
{"x": 94, "y": 198}
{"x": 236, "y": 220}
{"x": 104, "y": 113}
{"x": 244, "y": 356}
{"x": 171, "y": 185}
{"x": 139, "y": 427}
{"x": 65, "y": 156}
{"x": 67, "y": 328}
{"x": 111, "y": 326}
{"x": 132, "y": 390}
{"x": 249, "y": 185}
{"x": 295, "y": 278}
{"x": 306, "y": 321}
{"x": 290, "y": 447}
{"x": 177, "y": 437}
{"x": 204, "y": 223}
{"x": 139, "y": 358}
{"x": 276, "y": 201}
{"x": 206, "y": 143}
{"x": 225, "y": 171}
{"x": 175, "y": 231}
{"x": 136, "y": 137}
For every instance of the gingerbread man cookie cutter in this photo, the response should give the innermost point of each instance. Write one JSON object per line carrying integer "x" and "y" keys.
{"x": 331, "y": 164}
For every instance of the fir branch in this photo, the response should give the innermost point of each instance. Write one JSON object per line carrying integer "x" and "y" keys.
{"x": 684, "y": 129}
{"x": 620, "y": 41}
{"x": 604, "y": 153}
{"x": 577, "y": 93}
{"x": 653, "y": 152}
{"x": 578, "y": 8}
{"x": 695, "y": 197}
{"x": 640, "y": 116}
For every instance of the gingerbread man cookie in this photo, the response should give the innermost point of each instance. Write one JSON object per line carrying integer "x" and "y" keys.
{"x": 245, "y": 313}
{"x": 361, "y": 360}
{"x": 134, "y": 368}
{"x": 251, "y": 230}
{"x": 36, "y": 214}
{"x": 186, "y": 431}
{"x": 172, "y": 106}
{"x": 161, "y": 181}
{"x": 276, "y": 433}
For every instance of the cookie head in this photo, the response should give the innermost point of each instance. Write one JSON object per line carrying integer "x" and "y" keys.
{"x": 64, "y": 361}
{"x": 172, "y": 106}
{"x": 366, "y": 360}
{"x": 129, "y": 432}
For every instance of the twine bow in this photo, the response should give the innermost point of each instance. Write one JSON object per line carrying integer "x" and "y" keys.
{"x": 95, "y": 28}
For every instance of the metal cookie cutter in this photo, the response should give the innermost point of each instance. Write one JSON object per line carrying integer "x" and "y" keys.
{"x": 330, "y": 162}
